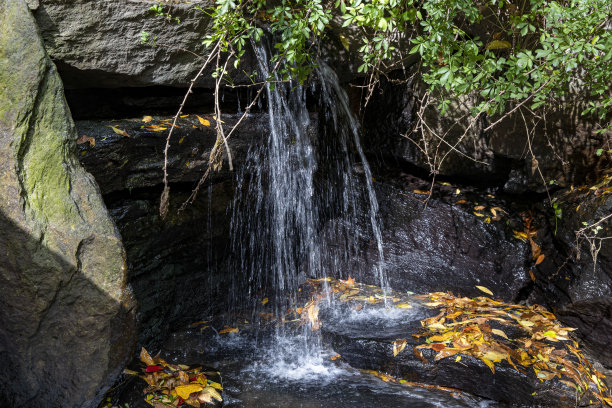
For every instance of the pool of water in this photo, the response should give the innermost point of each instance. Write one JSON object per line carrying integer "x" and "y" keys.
{"x": 292, "y": 368}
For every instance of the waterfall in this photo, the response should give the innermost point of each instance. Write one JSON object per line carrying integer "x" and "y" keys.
{"x": 300, "y": 188}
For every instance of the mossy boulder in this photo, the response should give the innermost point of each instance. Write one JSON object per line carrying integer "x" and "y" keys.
{"x": 66, "y": 325}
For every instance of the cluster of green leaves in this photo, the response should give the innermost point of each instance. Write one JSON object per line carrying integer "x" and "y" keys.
{"x": 506, "y": 51}
{"x": 526, "y": 50}
{"x": 296, "y": 25}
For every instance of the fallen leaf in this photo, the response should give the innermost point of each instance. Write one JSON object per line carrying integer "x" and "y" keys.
{"x": 155, "y": 128}
{"x": 213, "y": 393}
{"x": 478, "y": 214}
{"x": 489, "y": 364}
{"x": 398, "y": 346}
{"x": 540, "y": 259}
{"x": 438, "y": 346}
{"x": 87, "y": 139}
{"x": 532, "y": 276}
{"x": 499, "y": 333}
{"x": 479, "y": 207}
{"x": 203, "y": 121}
{"x": 229, "y": 330}
{"x": 184, "y": 391}
{"x": 146, "y": 358}
{"x": 425, "y": 192}
{"x": 147, "y": 119}
{"x": 264, "y": 301}
{"x": 403, "y": 306}
{"x": 119, "y": 131}
{"x": 337, "y": 356}
{"x": 460, "y": 202}
{"x": 485, "y": 290}
{"x": 153, "y": 369}
{"x": 457, "y": 191}
{"x": 215, "y": 385}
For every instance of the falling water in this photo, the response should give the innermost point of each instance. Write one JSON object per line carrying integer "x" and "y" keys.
{"x": 299, "y": 198}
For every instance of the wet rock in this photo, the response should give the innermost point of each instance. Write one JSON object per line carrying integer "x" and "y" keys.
{"x": 443, "y": 247}
{"x": 126, "y": 163}
{"x": 564, "y": 148}
{"x": 368, "y": 344}
{"x": 98, "y": 43}
{"x": 66, "y": 326}
{"x": 575, "y": 283}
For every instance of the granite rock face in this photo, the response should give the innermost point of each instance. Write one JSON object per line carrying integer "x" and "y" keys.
{"x": 66, "y": 325}
{"x": 576, "y": 282}
{"x": 97, "y": 44}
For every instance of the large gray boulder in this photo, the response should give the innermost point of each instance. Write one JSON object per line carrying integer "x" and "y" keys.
{"x": 65, "y": 313}
{"x": 97, "y": 44}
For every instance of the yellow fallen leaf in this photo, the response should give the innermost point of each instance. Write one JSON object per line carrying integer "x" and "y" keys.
{"x": 403, "y": 306}
{"x": 489, "y": 364}
{"x": 421, "y": 192}
{"x": 147, "y": 119}
{"x": 146, "y": 358}
{"x": 203, "y": 121}
{"x": 499, "y": 333}
{"x": 229, "y": 330}
{"x": 119, "y": 131}
{"x": 478, "y": 214}
{"x": 479, "y": 207}
{"x": 457, "y": 191}
{"x": 485, "y": 290}
{"x": 215, "y": 385}
{"x": 213, "y": 393}
{"x": 184, "y": 391}
{"x": 264, "y": 301}
{"x": 398, "y": 346}
{"x": 337, "y": 356}
{"x": 184, "y": 116}
{"x": 155, "y": 128}
{"x": 181, "y": 139}
{"x": 458, "y": 359}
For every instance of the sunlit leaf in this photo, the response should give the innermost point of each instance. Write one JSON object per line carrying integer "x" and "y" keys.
{"x": 203, "y": 121}
{"x": 155, "y": 128}
{"x": 147, "y": 119}
{"x": 398, "y": 346}
{"x": 485, "y": 290}
{"x": 540, "y": 259}
{"x": 119, "y": 131}
{"x": 499, "y": 333}
{"x": 184, "y": 391}
{"x": 425, "y": 192}
{"x": 403, "y": 306}
{"x": 229, "y": 330}
{"x": 213, "y": 393}
{"x": 146, "y": 358}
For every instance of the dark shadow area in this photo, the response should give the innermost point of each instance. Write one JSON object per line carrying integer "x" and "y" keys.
{"x": 62, "y": 339}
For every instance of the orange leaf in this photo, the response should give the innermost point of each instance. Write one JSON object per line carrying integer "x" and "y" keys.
{"x": 540, "y": 259}
{"x": 438, "y": 346}
{"x": 229, "y": 330}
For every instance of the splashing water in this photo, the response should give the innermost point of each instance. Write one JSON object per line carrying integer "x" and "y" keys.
{"x": 297, "y": 191}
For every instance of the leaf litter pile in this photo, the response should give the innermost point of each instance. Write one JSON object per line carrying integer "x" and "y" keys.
{"x": 528, "y": 338}
{"x": 175, "y": 385}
